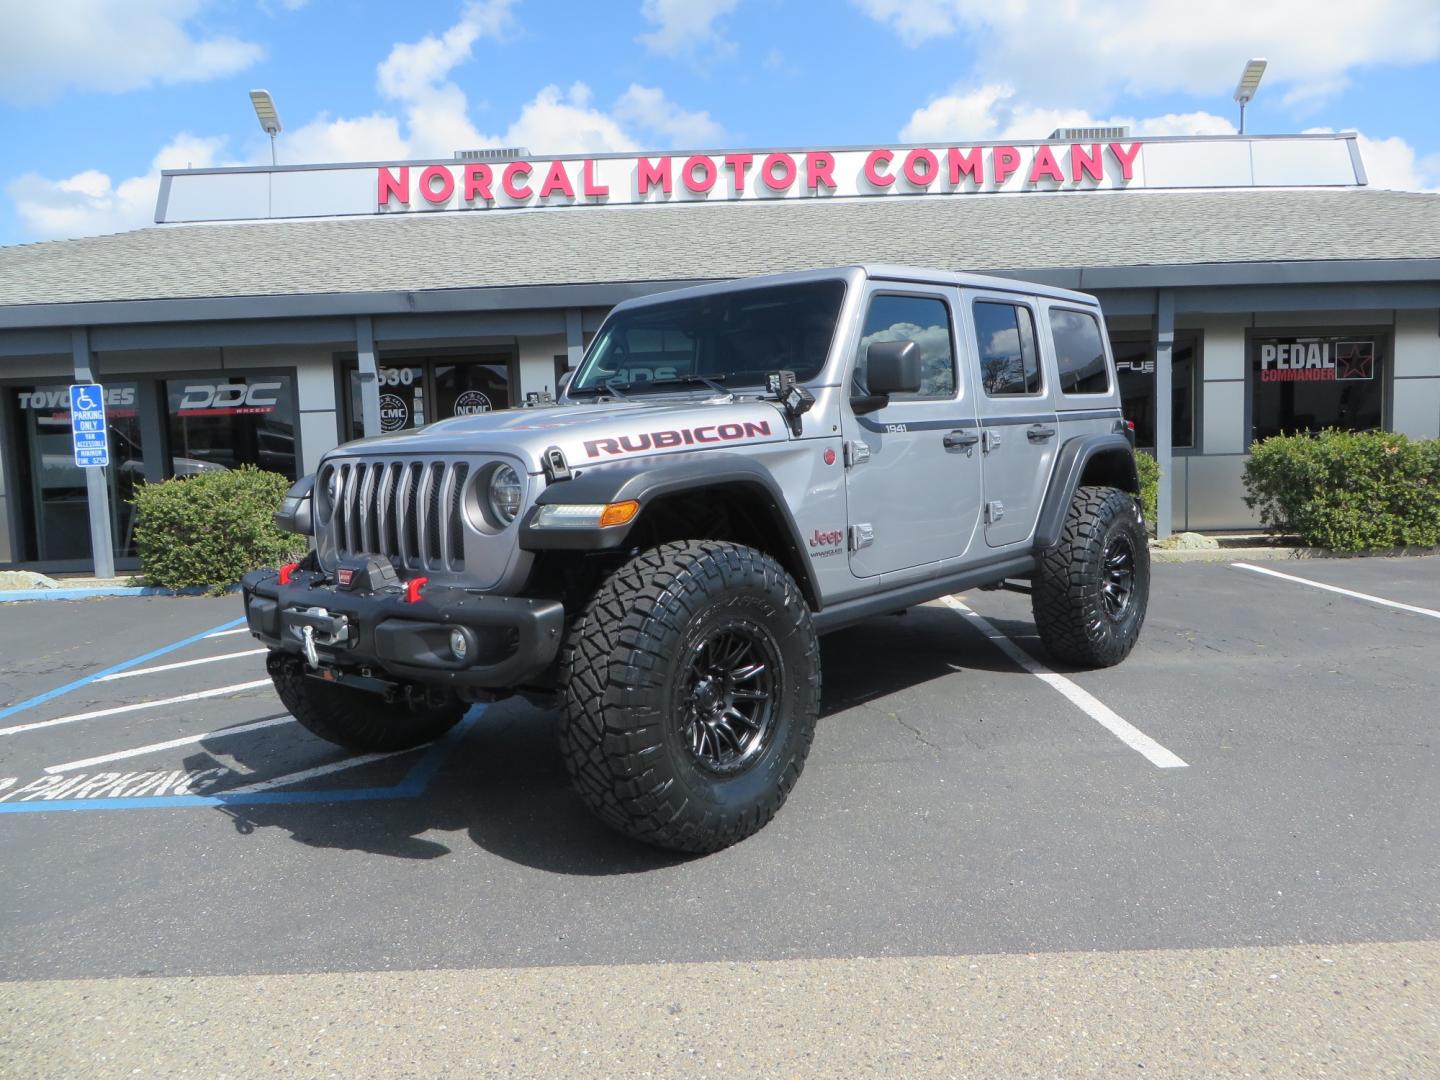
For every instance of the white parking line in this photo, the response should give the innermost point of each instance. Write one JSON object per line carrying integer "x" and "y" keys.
{"x": 220, "y": 691}
{"x": 183, "y": 663}
{"x": 1092, "y": 706}
{"x": 226, "y": 633}
{"x": 310, "y": 774}
{"x": 170, "y": 744}
{"x": 1336, "y": 589}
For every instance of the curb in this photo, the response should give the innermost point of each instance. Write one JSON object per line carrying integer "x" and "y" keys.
{"x": 12, "y": 595}
{"x": 1276, "y": 554}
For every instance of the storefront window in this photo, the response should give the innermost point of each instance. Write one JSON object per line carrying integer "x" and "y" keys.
{"x": 59, "y": 519}
{"x": 1307, "y": 383}
{"x": 402, "y": 399}
{"x": 1135, "y": 362}
{"x": 221, "y": 423}
{"x": 418, "y": 391}
{"x": 467, "y": 389}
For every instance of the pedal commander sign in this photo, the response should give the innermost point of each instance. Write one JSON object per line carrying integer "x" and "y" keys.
{"x": 478, "y": 185}
{"x": 1315, "y": 360}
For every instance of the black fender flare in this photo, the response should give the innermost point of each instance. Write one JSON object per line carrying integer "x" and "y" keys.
{"x": 1070, "y": 464}
{"x": 650, "y": 479}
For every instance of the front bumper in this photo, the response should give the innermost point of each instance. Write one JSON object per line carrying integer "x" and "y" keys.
{"x": 512, "y": 640}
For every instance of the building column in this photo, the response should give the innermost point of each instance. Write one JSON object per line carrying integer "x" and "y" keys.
{"x": 369, "y": 376}
{"x": 574, "y": 339}
{"x": 1164, "y": 407}
{"x": 97, "y": 481}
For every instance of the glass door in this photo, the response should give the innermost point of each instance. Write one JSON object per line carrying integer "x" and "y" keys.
{"x": 60, "y": 507}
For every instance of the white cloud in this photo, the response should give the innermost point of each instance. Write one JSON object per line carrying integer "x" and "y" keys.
{"x": 433, "y": 121}
{"x": 90, "y": 202}
{"x": 991, "y": 112}
{"x": 1078, "y": 50}
{"x": 649, "y": 110}
{"x": 1392, "y": 163}
{"x": 685, "y": 26}
{"x": 110, "y": 46}
{"x": 362, "y": 138}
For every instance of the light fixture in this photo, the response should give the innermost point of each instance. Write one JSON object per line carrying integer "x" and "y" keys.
{"x": 268, "y": 116}
{"x": 1246, "y": 87}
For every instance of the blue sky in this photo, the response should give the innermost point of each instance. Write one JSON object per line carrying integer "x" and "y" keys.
{"x": 97, "y": 95}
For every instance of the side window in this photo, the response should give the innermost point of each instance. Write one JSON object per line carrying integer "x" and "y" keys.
{"x": 923, "y": 320}
{"x": 1005, "y": 335}
{"x": 1079, "y": 352}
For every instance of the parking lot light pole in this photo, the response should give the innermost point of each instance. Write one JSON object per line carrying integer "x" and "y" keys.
{"x": 1249, "y": 83}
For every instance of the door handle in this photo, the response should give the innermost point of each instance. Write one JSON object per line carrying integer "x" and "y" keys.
{"x": 959, "y": 440}
{"x": 1038, "y": 433}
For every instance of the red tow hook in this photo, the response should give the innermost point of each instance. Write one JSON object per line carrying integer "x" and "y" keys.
{"x": 414, "y": 588}
{"x": 286, "y": 570}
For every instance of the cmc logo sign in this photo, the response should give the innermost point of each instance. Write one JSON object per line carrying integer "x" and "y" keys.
{"x": 228, "y": 399}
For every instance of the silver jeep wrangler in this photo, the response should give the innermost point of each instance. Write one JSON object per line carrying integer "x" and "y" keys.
{"x": 732, "y": 471}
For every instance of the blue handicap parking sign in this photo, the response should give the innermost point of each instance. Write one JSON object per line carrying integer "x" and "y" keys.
{"x": 87, "y": 425}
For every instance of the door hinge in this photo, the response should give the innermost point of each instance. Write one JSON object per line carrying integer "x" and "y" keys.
{"x": 861, "y": 536}
{"x": 991, "y": 441}
{"x": 856, "y": 453}
{"x": 994, "y": 511}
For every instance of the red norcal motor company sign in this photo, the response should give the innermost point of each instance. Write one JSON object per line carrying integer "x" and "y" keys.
{"x": 756, "y": 175}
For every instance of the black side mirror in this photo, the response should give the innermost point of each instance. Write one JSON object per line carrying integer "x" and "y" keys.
{"x": 891, "y": 367}
{"x": 294, "y": 515}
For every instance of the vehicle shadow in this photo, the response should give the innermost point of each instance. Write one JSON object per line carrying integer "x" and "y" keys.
{"x": 503, "y": 786}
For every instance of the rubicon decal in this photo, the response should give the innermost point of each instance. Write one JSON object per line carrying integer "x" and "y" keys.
{"x": 663, "y": 440}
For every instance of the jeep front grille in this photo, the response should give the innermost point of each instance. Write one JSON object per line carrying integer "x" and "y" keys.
{"x": 408, "y": 510}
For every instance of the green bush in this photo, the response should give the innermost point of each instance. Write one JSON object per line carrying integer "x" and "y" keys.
{"x": 208, "y": 530}
{"x": 1149, "y": 470}
{"x": 1347, "y": 490}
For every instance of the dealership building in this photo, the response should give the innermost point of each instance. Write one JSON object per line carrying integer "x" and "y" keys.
{"x": 1251, "y": 285}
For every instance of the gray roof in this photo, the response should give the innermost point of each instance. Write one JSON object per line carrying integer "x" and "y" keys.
{"x": 479, "y": 249}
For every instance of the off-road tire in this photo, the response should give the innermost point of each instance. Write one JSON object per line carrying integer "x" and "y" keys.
{"x": 625, "y": 664}
{"x": 353, "y": 718}
{"x": 1068, "y": 596}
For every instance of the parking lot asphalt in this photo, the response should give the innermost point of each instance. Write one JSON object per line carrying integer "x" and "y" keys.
{"x": 953, "y": 805}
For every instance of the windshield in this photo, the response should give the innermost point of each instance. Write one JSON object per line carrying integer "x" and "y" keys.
{"x": 734, "y": 338}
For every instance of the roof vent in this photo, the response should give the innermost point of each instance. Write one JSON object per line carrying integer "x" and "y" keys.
{"x": 1088, "y": 134}
{"x": 504, "y": 153}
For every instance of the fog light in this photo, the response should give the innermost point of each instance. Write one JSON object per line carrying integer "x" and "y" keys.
{"x": 459, "y": 646}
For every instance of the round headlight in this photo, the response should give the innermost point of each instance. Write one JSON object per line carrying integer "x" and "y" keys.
{"x": 505, "y": 494}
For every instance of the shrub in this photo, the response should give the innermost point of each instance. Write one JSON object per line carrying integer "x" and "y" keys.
{"x": 1347, "y": 490}
{"x": 1149, "y": 470}
{"x": 209, "y": 529}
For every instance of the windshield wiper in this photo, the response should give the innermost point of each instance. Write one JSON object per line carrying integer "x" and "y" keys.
{"x": 692, "y": 380}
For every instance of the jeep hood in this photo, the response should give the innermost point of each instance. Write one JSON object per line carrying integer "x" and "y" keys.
{"x": 589, "y": 434}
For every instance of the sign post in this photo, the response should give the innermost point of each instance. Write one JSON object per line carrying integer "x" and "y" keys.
{"x": 90, "y": 441}
{"x": 87, "y": 426}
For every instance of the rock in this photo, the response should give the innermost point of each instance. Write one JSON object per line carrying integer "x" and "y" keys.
{"x": 26, "y": 579}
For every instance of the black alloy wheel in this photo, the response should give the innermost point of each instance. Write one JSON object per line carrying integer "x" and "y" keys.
{"x": 728, "y": 698}
{"x": 1119, "y": 584}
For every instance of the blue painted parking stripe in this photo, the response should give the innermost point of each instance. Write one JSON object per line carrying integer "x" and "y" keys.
{"x": 123, "y": 666}
{"x": 414, "y": 784}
